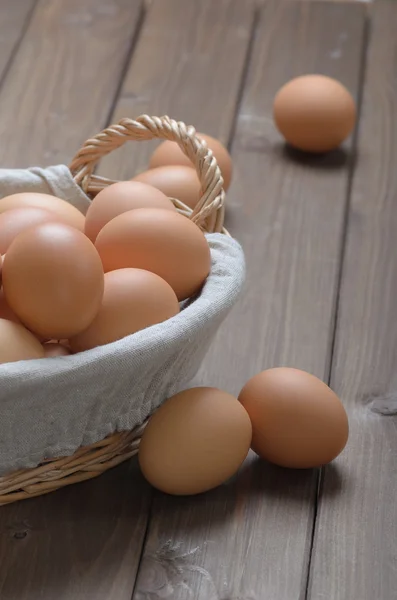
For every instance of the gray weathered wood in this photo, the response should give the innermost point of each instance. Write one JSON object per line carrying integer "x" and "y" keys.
{"x": 14, "y": 18}
{"x": 250, "y": 539}
{"x": 80, "y": 543}
{"x": 189, "y": 65}
{"x": 355, "y": 550}
{"x": 64, "y": 78}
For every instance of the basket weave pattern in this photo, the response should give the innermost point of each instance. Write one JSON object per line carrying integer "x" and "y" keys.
{"x": 90, "y": 461}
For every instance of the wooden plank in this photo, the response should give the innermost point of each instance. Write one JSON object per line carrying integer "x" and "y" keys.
{"x": 64, "y": 78}
{"x": 14, "y": 18}
{"x": 251, "y": 538}
{"x": 355, "y": 545}
{"x": 82, "y": 542}
{"x": 189, "y": 65}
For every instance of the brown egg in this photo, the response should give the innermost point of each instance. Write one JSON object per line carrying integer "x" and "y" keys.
{"x": 195, "y": 441}
{"x": 66, "y": 213}
{"x": 53, "y": 349}
{"x": 133, "y": 300}
{"x": 14, "y": 221}
{"x": 120, "y": 198}
{"x": 314, "y": 113}
{"x": 1, "y": 269}
{"x": 53, "y": 280}
{"x": 160, "y": 241}
{"x": 174, "y": 181}
{"x": 17, "y": 343}
{"x": 169, "y": 153}
{"x": 297, "y": 420}
{"x": 5, "y": 310}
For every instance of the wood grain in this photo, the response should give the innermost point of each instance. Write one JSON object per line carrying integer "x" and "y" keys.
{"x": 64, "y": 78}
{"x": 356, "y": 539}
{"x": 80, "y": 543}
{"x": 83, "y": 542}
{"x": 188, "y": 64}
{"x": 14, "y": 18}
{"x": 250, "y": 539}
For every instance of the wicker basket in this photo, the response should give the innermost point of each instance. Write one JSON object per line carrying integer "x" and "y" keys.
{"x": 91, "y": 461}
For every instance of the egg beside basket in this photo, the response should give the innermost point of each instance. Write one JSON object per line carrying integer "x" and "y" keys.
{"x": 64, "y": 420}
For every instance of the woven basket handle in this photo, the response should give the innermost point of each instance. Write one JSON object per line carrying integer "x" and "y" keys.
{"x": 209, "y": 211}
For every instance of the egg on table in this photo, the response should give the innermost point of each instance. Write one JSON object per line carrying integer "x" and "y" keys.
{"x": 119, "y": 198}
{"x": 161, "y": 241}
{"x": 314, "y": 113}
{"x": 297, "y": 420}
{"x": 169, "y": 153}
{"x": 195, "y": 441}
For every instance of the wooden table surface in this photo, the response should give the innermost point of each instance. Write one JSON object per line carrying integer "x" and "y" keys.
{"x": 319, "y": 236}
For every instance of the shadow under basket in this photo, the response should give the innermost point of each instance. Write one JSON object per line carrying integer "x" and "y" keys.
{"x": 68, "y": 419}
